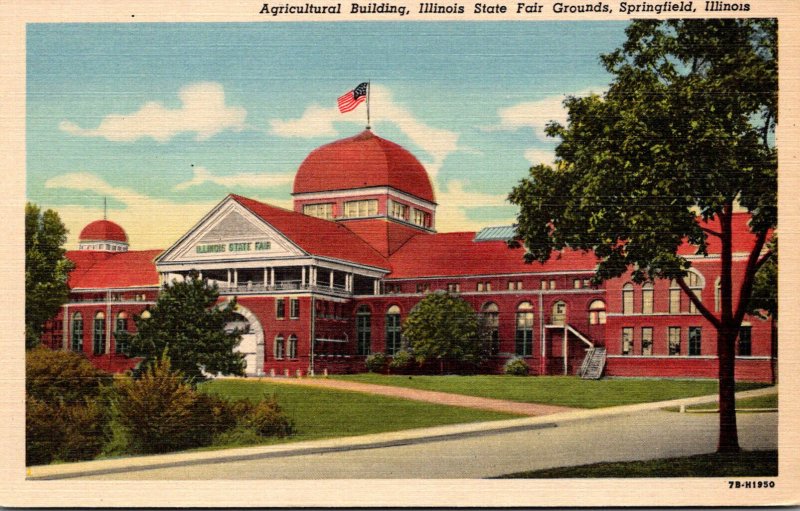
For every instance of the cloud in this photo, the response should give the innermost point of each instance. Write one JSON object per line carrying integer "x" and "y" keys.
{"x": 203, "y": 112}
{"x": 150, "y": 223}
{"x": 537, "y": 156}
{"x": 536, "y": 115}
{"x": 263, "y": 180}
{"x": 317, "y": 121}
{"x": 455, "y": 203}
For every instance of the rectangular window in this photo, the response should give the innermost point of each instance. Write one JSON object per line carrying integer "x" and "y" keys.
{"x": 292, "y": 348}
{"x": 280, "y": 308}
{"x": 674, "y": 301}
{"x": 488, "y": 286}
{"x": 510, "y": 285}
{"x": 647, "y": 340}
{"x": 577, "y": 283}
{"x": 587, "y": 282}
{"x": 674, "y": 340}
{"x": 421, "y": 218}
{"x": 519, "y": 284}
{"x": 543, "y": 285}
{"x": 552, "y": 284}
{"x": 627, "y": 341}
{"x": 279, "y": 348}
{"x": 99, "y": 345}
{"x": 692, "y": 306}
{"x": 361, "y": 208}
{"x": 524, "y": 334}
{"x": 319, "y": 210}
{"x": 364, "y": 332}
{"x": 121, "y": 328}
{"x": 294, "y": 308}
{"x": 453, "y": 288}
{"x": 397, "y": 210}
{"x": 423, "y": 288}
{"x": 695, "y": 340}
{"x": 745, "y": 343}
{"x": 479, "y": 287}
{"x": 627, "y": 299}
{"x": 647, "y": 300}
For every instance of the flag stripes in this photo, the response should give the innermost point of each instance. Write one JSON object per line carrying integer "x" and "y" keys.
{"x": 351, "y": 99}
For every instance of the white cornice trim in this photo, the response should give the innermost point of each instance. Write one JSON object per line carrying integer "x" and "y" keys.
{"x": 360, "y": 192}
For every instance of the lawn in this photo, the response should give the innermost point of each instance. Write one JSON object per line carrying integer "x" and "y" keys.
{"x": 555, "y": 390}
{"x": 324, "y": 413}
{"x": 742, "y": 405}
{"x": 743, "y": 464}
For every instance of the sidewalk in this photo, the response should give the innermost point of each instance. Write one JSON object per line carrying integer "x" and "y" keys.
{"x": 121, "y": 465}
{"x": 430, "y": 396}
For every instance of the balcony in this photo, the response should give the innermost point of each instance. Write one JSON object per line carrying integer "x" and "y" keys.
{"x": 280, "y": 287}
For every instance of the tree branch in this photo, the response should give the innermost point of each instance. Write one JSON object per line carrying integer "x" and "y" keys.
{"x": 764, "y": 258}
{"x": 714, "y": 320}
{"x": 711, "y": 232}
{"x": 749, "y": 277}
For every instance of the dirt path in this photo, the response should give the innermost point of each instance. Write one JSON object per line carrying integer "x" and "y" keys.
{"x": 429, "y": 396}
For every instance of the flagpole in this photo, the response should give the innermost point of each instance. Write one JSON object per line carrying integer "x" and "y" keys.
{"x": 369, "y": 87}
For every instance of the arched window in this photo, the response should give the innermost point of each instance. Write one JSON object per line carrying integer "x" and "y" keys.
{"x": 279, "y": 347}
{"x": 627, "y": 299}
{"x": 99, "y": 338}
{"x": 77, "y": 332}
{"x": 559, "y": 316}
{"x": 597, "y": 312}
{"x": 491, "y": 321}
{"x": 292, "y": 348}
{"x": 674, "y": 297}
{"x": 393, "y": 338}
{"x": 696, "y": 283}
{"x": 647, "y": 298}
{"x": 523, "y": 339}
{"x": 121, "y": 327}
{"x": 364, "y": 330}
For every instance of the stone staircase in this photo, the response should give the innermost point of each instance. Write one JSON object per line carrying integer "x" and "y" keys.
{"x": 593, "y": 364}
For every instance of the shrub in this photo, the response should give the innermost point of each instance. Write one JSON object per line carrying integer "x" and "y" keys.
{"x": 401, "y": 360}
{"x": 516, "y": 367}
{"x": 44, "y": 432}
{"x": 376, "y": 363}
{"x": 157, "y": 409}
{"x": 266, "y": 418}
{"x": 61, "y": 376}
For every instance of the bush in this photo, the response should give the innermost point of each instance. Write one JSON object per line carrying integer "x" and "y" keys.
{"x": 516, "y": 367}
{"x": 44, "y": 432}
{"x": 265, "y": 418}
{"x": 61, "y": 376}
{"x": 376, "y": 363}
{"x": 158, "y": 410}
{"x": 401, "y": 360}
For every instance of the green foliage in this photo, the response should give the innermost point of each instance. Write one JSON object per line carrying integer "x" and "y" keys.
{"x": 156, "y": 410}
{"x": 516, "y": 367}
{"x": 401, "y": 360}
{"x": 264, "y": 417}
{"x": 187, "y": 322}
{"x": 65, "y": 416}
{"x": 444, "y": 328}
{"x": 686, "y": 126}
{"x": 764, "y": 301}
{"x": 376, "y": 363}
{"x": 46, "y": 269}
{"x": 61, "y": 377}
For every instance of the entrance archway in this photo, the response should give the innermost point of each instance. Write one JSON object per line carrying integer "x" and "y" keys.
{"x": 252, "y": 344}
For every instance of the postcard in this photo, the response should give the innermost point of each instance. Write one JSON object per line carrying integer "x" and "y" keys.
{"x": 399, "y": 254}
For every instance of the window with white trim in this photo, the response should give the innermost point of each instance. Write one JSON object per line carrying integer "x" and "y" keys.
{"x": 674, "y": 340}
{"x": 279, "y": 347}
{"x": 523, "y": 339}
{"x": 695, "y": 284}
{"x": 695, "y": 341}
{"x": 627, "y": 299}
{"x": 291, "y": 351}
{"x": 361, "y": 208}
{"x": 674, "y": 297}
{"x": 77, "y": 332}
{"x": 398, "y": 210}
{"x": 99, "y": 334}
{"x": 647, "y": 298}
{"x": 324, "y": 210}
{"x": 647, "y": 340}
{"x": 491, "y": 321}
{"x": 597, "y": 312}
{"x": 393, "y": 334}
{"x": 421, "y": 218}
{"x": 627, "y": 340}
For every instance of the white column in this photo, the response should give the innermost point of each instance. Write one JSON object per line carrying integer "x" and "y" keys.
{"x": 303, "y": 276}
{"x": 376, "y": 287}
{"x": 235, "y": 277}
{"x": 266, "y": 277}
{"x": 66, "y": 329}
{"x": 272, "y": 277}
{"x": 331, "y": 279}
{"x": 200, "y": 274}
{"x": 229, "y": 278}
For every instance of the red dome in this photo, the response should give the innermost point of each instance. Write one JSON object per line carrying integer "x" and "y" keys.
{"x": 103, "y": 230}
{"x": 363, "y": 161}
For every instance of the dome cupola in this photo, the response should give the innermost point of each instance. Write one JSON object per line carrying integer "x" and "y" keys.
{"x": 103, "y": 235}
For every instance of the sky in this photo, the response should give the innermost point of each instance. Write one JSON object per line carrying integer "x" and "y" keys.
{"x": 164, "y": 120}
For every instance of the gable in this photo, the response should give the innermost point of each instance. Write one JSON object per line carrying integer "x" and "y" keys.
{"x": 231, "y": 232}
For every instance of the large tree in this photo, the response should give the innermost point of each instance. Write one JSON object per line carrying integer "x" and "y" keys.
{"x": 188, "y": 325}
{"x": 46, "y": 269}
{"x": 686, "y": 129}
{"x": 445, "y": 329}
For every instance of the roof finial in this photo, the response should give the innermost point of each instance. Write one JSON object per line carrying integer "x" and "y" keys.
{"x": 105, "y": 209}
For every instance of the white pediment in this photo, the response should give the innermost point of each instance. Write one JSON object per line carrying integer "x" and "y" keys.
{"x": 231, "y": 232}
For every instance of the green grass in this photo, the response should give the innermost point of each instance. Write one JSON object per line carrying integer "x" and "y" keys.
{"x": 743, "y": 464}
{"x": 555, "y": 390}
{"x": 768, "y": 401}
{"x": 325, "y": 413}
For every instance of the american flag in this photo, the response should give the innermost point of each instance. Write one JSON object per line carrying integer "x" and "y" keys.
{"x": 351, "y": 99}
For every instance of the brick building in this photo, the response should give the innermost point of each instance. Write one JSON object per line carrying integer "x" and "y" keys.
{"x": 326, "y": 284}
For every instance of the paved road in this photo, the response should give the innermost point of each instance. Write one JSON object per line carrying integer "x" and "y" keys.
{"x": 640, "y": 435}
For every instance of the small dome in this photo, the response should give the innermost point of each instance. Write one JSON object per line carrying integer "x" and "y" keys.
{"x": 363, "y": 161}
{"x": 103, "y": 230}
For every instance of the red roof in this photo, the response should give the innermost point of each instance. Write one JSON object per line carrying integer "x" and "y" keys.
{"x": 384, "y": 235}
{"x": 103, "y": 230}
{"x": 365, "y": 160}
{"x": 455, "y": 253}
{"x": 315, "y": 235}
{"x": 96, "y": 269}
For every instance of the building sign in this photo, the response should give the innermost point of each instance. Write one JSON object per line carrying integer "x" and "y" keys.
{"x": 246, "y": 246}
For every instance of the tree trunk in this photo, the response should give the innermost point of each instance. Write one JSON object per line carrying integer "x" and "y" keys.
{"x": 728, "y": 434}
